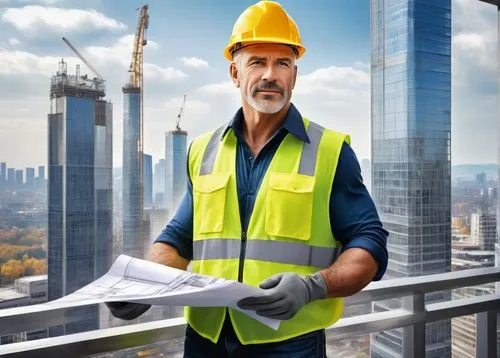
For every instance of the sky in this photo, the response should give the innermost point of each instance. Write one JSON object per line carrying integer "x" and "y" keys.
{"x": 184, "y": 55}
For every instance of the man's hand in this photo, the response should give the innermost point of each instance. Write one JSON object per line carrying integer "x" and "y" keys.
{"x": 127, "y": 310}
{"x": 285, "y": 295}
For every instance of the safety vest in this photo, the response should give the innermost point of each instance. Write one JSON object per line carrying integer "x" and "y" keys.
{"x": 289, "y": 229}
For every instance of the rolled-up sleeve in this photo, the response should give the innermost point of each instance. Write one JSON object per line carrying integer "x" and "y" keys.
{"x": 353, "y": 215}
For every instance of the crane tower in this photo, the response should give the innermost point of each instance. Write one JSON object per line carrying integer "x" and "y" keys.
{"x": 133, "y": 144}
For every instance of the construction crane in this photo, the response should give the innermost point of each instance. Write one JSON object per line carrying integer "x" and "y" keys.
{"x": 177, "y": 124}
{"x": 82, "y": 58}
{"x": 137, "y": 81}
{"x": 140, "y": 40}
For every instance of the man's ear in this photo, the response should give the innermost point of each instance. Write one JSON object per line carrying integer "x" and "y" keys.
{"x": 233, "y": 72}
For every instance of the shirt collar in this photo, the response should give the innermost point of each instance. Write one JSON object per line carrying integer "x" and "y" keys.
{"x": 293, "y": 124}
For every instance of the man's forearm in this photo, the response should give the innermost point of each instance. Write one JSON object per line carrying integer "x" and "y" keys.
{"x": 354, "y": 269}
{"x": 167, "y": 255}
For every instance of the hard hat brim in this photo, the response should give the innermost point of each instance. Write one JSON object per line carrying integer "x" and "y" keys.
{"x": 228, "y": 53}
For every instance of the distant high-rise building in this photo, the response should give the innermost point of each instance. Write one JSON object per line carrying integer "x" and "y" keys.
{"x": 3, "y": 174}
{"x": 148, "y": 180}
{"x": 40, "y": 180}
{"x": 159, "y": 183}
{"x": 19, "y": 178}
{"x": 41, "y": 172}
{"x": 483, "y": 230}
{"x": 133, "y": 178}
{"x": 30, "y": 178}
{"x": 175, "y": 167}
{"x": 411, "y": 168}
{"x": 11, "y": 177}
{"x": 80, "y": 204}
{"x": 481, "y": 179}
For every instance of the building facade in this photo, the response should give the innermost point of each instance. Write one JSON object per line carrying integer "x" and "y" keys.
{"x": 80, "y": 189}
{"x": 148, "y": 180}
{"x": 132, "y": 179}
{"x": 159, "y": 183}
{"x": 30, "y": 178}
{"x": 175, "y": 168}
{"x": 411, "y": 169}
{"x": 3, "y": 175}
{"x": 483, "y": 230}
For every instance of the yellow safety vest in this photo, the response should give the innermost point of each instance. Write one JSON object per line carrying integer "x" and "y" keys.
{"x": 289, "y": 229}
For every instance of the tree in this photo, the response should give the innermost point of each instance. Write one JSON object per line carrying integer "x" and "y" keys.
{"x": 12, "y": 269}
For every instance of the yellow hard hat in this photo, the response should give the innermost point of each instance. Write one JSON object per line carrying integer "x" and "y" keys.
{"x": 264, "y": 22}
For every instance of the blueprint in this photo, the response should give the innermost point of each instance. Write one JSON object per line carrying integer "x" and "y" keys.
{"x": 134, "y": 280}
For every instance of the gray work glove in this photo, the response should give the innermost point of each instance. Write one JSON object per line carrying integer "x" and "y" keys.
{"x": 127, "y": 310}
{"x": 285, "y": 295}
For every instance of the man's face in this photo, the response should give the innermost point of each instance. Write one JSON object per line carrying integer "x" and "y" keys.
{"x": 265, "y": 75}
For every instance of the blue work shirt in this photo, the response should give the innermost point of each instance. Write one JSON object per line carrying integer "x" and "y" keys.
{"x": 353, "y": 216}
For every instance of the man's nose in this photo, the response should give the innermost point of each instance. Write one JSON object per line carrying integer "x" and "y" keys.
{"x": 269, "y": 74}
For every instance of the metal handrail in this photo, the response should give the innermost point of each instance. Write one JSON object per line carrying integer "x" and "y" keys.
{"x": 105, "y": 340}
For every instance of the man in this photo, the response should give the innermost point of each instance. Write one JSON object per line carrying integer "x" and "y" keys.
{"x": 273, "y": 200}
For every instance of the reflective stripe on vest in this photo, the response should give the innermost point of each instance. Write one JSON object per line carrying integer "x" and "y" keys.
{"x": 207, "y": 164}
{"x": 265, "y": 250}
{"x": 307, "y": 165}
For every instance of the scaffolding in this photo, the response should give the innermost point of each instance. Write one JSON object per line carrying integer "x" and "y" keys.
{"x": 63, "y": 84}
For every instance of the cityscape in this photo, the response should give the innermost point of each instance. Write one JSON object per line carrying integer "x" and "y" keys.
{"x": 65, "y": 220}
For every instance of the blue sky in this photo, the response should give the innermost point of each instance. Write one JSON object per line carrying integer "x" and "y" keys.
{"x": 184, "y": 56}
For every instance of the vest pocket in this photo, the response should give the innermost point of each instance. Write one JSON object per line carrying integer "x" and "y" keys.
{"x": 290, "y": 205}
{"x": 209, "y": 200}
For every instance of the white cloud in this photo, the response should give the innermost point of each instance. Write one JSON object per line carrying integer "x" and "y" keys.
{"x": 120, "y": 53}
{"x": 194, "y": 62}
{"x": 35, "y": 20}
{"x": 362, "y": 65}
{"x": 44, "y": 2}
{"x": 224, "y": 88}
{"x": 26, "y": 63}
{"x": 13, "y": 41}
{"x": 474, "y": 84}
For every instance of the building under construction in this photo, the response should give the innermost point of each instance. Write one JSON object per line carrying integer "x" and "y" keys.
{"x": 133, "y": 147}
{"x": 175, "y": 163}
{"x": 80, "y": 193}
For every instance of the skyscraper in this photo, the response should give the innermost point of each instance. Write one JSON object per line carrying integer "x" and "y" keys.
{"x": 41, "y": 172}
{"x": 19, "y": 178}
{"x": 3, "y": 175}
{"x": 148, "y": 180}
{"x": 411, "y": 174}
{"x": 11, "y": 177}
{"x": 79, "y": 189}
{"x": 175, "y": 167}
{"x": 40, "y": 180}
{"x": 159, "y": 183}
{"x": 30, "y": 178}
{"x": 133, "y": 190}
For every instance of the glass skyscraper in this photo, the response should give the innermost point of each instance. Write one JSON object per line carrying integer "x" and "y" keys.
{"x": 30, "y": 177}
{"x": 148, "y": 180}
{"x": 159, "y": 183}
{"x": 175, "y": 168}
{"x": 3, "y": 174}
{"x": 80, "y": 197}
{"x": 411, "y": 169}
{"x": 133, "y": 190}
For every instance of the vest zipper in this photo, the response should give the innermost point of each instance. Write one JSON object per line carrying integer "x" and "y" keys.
{"x": 242, "y": 255}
